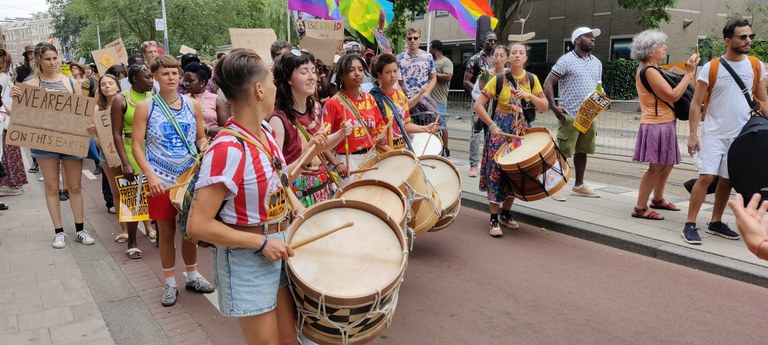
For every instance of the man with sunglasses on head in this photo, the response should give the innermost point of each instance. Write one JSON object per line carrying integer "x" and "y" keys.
{"x": 726, "y": 112}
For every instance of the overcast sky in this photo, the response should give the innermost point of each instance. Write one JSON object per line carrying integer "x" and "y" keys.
{"x": 16, "y": 8}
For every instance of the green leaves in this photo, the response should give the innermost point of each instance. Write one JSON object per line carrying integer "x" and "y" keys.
{"x": 652, "y": 12}
{"x": 619, "y": 79}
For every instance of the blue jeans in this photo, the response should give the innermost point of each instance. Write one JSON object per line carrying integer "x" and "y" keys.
{"x": 474, "y": 140}
{"x": 443, "y": 116}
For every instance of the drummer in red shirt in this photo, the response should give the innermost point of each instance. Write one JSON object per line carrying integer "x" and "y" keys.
{"x": 351, "y": 103}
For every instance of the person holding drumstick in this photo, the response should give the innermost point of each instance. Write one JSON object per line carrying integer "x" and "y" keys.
{"x": 165, "y": 135}
{"x": 298, "y": 124}
{"x": 392, "y": 101}
{"x": 352, "y": 104}
{"x": 508, "y": 119}
{"x": 245, "y": 163}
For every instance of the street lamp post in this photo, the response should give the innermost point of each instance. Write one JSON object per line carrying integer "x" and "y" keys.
{"x": 165, "y": 28}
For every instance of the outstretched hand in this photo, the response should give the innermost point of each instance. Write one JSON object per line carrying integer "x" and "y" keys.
{"x": 750, "y": 220}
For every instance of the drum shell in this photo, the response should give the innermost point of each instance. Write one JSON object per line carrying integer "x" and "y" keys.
{"x": 352, "y": 308}
{"x": 423, "y": 214}
{"x": 176, "y": 194}
{"x": 447, "y": 212}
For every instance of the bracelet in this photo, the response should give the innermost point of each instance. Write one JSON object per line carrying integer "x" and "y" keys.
{"x": 263, "y": 245}
{"x": 757, "y": 250}
{"x": 493, "y": 125}
{"x": 337, "y": 164}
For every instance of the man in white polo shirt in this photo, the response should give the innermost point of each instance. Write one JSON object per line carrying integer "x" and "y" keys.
{"x": 576, "y": 74}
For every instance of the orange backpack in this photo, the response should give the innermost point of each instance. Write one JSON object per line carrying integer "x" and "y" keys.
{"x": 715, "y": 65}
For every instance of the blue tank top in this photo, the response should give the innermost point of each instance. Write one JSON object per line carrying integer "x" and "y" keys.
{"x": 166, "y": 152}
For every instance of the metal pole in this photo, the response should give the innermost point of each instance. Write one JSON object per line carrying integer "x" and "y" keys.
{"x": 165, "y": 30}
{"x": 119, "y": 33}
{"x": 98, "y": 33}
{"x": 288, "y": 22}
{"x": 429, "y": 29}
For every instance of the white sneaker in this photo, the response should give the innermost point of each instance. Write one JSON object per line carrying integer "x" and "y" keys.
{"x": 59, "y": 240}
{"x": 84, "y": 237}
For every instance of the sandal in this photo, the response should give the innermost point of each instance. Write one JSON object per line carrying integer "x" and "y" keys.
{"x": 133, "y": 253}
{"x": 122, "y": 238}
{"x": 647, "y": 214}
{"x": 663, "y": 205}
{"x": 152, "y": 234}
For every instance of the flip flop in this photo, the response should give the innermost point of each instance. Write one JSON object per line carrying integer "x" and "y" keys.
{"x": 133, "y": 253}
{"x": 121, "y": 238}
{"x": 645, "y": 213}
{"x": 152, "y": 234}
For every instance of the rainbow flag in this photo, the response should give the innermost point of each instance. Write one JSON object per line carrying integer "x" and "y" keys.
{"x": 363, "y": 15}
{"x": 383, "y": 42}
{"x": 323, "y": 9}
{"x": 466, "y": 12}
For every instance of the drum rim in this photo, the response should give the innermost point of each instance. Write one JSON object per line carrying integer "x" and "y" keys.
{"x": 560, "y": 185}
{"x": 455, "y": 169}
{"x": 530, "y": 160}
{"x": 347, "y": 300}
{"x": 378, "y": 183}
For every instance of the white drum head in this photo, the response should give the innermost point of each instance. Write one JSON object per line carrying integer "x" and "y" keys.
{"x": 444, "y": 178}
{"x": 420, "y": 141}
{"x": 532, "y": 145}
{"x": 393, "y": 169}
{"x": 351, "y": 262}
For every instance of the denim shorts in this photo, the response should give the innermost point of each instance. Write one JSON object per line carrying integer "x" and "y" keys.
{"x": 247, "y": 283}
{"x": 443, "y": 116}
{"x": 42, "y": 154}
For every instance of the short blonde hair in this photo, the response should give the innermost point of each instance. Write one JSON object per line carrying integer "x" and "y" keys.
{"x": 165, "y": 60}
{"x": 413, "y": 30}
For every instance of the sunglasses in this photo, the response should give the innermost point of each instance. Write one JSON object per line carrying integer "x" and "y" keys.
{"x": 148, "y": 43}
{"x": 413, "y": 38}
{"x": 296, "y": 52}
{"x": 744, "y": 37}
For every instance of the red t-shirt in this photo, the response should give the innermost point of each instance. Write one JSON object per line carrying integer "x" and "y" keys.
{"x": 335, "y": 113}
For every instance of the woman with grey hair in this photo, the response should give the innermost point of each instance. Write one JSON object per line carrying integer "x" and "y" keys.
{"x": 657, "y": 138}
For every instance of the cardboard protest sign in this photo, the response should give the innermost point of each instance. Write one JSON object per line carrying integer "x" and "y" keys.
{"x": 592, "y": 106}
{"x": 186, "y": 50}
{"x": 322, "y": 49}
{"x": 122, "y": 54}
{"x": 50, "y": 120}
{"x": 320, "y": 28}
{"x": 133, "y": 198}
{"x": 104, "y": 59}
{"x": 259, "y": 40}
{"x": 103, "y": 124}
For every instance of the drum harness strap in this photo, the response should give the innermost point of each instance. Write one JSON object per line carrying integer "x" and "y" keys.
{"x": 381, "y": 99}
{"x": 320, "y": 155}
{"x": 347, "y": 103}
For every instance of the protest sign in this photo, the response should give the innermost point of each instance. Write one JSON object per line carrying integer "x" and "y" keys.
{"x": 65, "y": 70}
{"x": 592, "y": 106}
{"x": 103, "y": 124}
{"x": 50, "y": 120}
{"x": 122, "y": 54}
{"x": 187, "y": 50}
{"x": 320, "y": 28}
{"x": 259, "y": 40}
{"x": 322, "y": 49}
{"x": 104, "y": 59}
{"x": 133, "y": 198}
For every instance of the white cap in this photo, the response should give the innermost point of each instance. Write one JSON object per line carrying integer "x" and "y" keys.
{"x": 584, "y": 30}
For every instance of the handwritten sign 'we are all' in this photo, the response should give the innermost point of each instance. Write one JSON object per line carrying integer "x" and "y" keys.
{"x": 51, "y": 121}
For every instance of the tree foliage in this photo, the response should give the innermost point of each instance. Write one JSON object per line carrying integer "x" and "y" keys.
{"x": 713, "y": 45}
{"x": 652, "y": 12}
{"x": 404, "y": 12}
{"x": 200, "y": 24}
{"x": 507, "y": 12}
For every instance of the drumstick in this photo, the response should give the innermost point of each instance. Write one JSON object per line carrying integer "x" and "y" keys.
{"x": 425, "y": 146}
{"x": 428, "y": 165}
{"x": 306, "y": 241}
{"x": 511, "y": 136}
{"x": 359, "y": 171}
{"x": 166, "y": 189}
{"x": 303, "y": 159}
{"x": 346, "y": 149}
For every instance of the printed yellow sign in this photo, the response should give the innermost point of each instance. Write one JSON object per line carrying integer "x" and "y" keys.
{"x": 65, "y": 70}
{"x": 107, "y": 61}
{"x": 592, "y": 106}
{"x": 104, "y": 58}
{"x": 133, "y": 200}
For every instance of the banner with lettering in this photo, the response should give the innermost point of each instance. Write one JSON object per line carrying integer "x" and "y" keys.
{"x": 103, "y": 124}
{"x": 133, "y": 198}
{"x": 592, "y": 106}
{"x": 51, "y": 120}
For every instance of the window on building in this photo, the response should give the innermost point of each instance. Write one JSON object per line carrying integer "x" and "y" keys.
{"x": 441, "y": 14}
{"x": 420, "y": 16}
{"x": 466, "y": 54}
{"x": 620, "y": 48}
{"x": 537, "y": 52}
{"x": 567, "y": 47}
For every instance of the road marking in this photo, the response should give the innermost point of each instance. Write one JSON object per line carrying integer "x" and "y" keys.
{"x": 88, "y": 174}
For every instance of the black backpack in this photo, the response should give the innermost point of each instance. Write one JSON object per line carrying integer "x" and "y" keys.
{"x": 748, "y": 161}
{"x": 682, "y": 105}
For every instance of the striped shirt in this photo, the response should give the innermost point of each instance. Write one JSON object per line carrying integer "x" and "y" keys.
{"x": 254, "y": 191}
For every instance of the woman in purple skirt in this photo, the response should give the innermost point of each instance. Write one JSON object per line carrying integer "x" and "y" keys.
{"x": 657, "y": 138}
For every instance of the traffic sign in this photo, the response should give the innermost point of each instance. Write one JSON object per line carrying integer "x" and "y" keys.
{"x": 159, "y": 24}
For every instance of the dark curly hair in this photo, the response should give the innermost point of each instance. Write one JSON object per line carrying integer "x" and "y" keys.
{"x": 202, "y": 71}
{"x": 283, "y": 70}
{"x": 344, "y": 66}
{"x": 378, "y": 63}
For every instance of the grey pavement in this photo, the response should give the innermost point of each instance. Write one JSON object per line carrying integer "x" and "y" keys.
{"x": 75, "y": 295}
